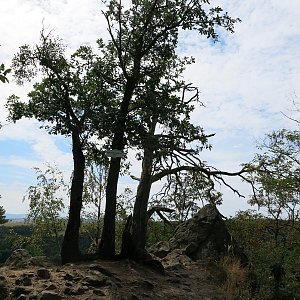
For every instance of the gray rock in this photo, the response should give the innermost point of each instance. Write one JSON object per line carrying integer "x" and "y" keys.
{"x": 22, "y": 297}
{"x": 43, "y": 273}
{"x": 49, "y": 295}
{"x": 21, "y": 290}
{"x": 205, "y": 236}
{"x": 176, "y": 260}
{"x": 24, "y": 280}
{"x": 95, "y": 281}
{"x": 51, "y": 287}
{"x": 19, "y": 258}
{"x": 99, "y": 292}
{"x": 160, "y": 249}
{"x": 4, "y": 291}
{"x": 69, "y": 277}
{"x": 39, "y": 261}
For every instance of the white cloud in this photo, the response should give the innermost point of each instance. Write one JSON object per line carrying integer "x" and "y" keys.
{"x": 246, "y": 80}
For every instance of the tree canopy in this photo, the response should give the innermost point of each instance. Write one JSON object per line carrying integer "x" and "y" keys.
{"x": 278, "y": 176}
{"x": 128, "y": 95}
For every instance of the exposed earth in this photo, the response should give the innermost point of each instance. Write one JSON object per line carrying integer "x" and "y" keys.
{"x": 100, "y": 279}
{"x": 185, "y": 275}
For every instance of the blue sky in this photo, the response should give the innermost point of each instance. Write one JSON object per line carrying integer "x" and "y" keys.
{"x": 246, "y": 81}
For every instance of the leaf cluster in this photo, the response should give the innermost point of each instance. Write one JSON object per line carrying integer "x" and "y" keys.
{"x": 3, "y": 73}
{"x": 278, "y": 174}
{"x": 72, "y": 95}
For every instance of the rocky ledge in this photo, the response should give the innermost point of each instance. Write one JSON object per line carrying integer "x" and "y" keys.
{"x": 37, "y": 279}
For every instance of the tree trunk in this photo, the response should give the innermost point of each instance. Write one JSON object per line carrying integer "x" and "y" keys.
{"x": 107, "y": 245}
{"x": 70, "y": 246}
{"x": 136, "y": 231}
{"x": 139, "y": 219}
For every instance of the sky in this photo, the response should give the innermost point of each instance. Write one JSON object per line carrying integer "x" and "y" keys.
{"x": 247, "y": 81}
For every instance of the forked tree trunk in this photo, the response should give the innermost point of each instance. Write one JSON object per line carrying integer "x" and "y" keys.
{"x": 135, "y": 232}
{"x": 107, "y": 244}
{"x": 70, "y": 246}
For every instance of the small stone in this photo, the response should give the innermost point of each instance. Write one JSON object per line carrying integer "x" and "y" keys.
{"x": 67, "y": 291}
{"x": 24, "y": 280}
{"x": 22, "y": 297}
{"x": 43, "y": 273}
{"x": 85, "y": 288}
{"x": 19, "y": 290}
{"x": 101, "y": 270}
{"x": 148, "y": 285}
{"x": 49, "y": 295}
{"x": 98, "y": 292}
{"x": 69, "y": 277}
{"x": 173, "y": 280}
{"x": 68, "y": 283}
{"x": 95, "y": 281}
{"x": 51, "y": 287}
{"x": 74, "y": 291}
{"x": 3, "y": 289}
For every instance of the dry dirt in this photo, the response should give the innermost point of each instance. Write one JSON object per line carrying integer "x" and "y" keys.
{"x": 110, "y": 280}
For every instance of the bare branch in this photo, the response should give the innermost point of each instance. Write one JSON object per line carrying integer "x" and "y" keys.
{"x": 158, "y": 210}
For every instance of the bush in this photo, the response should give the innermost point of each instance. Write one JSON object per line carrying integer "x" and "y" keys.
{"x": 275, "y": 261}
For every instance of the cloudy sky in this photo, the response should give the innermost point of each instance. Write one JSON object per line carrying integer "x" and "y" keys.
{"x": 246, "y": 80}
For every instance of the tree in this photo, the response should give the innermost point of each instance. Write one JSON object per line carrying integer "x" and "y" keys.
{"x": 185, "y": 192}
{"x": 2, "y": 215}
{"x": 3, "y": 76}
{"x": 46, "y": 205}
{"x": 93, "y": 195}
{"x": 144, "y": 38}
{"x": 277, "y": 178}
{"x": 70, "y": 94}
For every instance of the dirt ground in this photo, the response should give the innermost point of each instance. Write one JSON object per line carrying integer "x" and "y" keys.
{"x": 110, "y": 280}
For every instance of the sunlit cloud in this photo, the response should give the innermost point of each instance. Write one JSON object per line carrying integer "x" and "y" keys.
{"x": 246, "y": 80}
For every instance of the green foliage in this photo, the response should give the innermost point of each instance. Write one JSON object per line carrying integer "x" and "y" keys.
{"x": 277, "y": 175}
{"x": 125, "y": 204}
{"x": 45, "y": 206}
{"x": 72, "y": 93}
{"x": 3, "y": 73}
{"x": 268, "y": 255}
{"x": 159, "y": 231}
{"x": 122, "y": 93}
{"x": 93, "y": 194}
{"x": 185, "y": 193}
{"x": 2, "y": 215}
{"x": 13, "y": 237}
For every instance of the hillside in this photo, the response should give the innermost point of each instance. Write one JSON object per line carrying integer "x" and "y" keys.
{"x": 35, "y": 278}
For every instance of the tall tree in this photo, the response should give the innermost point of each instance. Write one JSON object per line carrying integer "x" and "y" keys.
{"x": 277, "y": 179}
{"x": 67, "y": 99}
{"x": 144, "y": 38}
{"x": 45, "y": 205}
{"x": 172, "y": 151}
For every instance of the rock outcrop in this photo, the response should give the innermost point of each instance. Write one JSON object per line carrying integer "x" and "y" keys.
{"x": 204, "y": 237}
{"x": 200, "y": 239}
{"x": 124, "y": 279}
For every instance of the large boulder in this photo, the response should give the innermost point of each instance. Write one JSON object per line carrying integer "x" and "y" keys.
{"x": 205, "y": 236}
{"x": 19, "y": 259}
